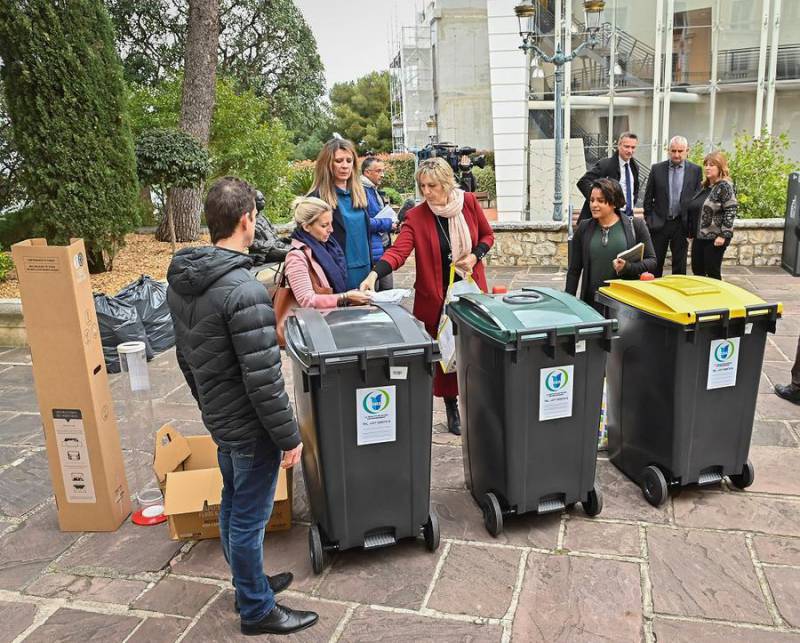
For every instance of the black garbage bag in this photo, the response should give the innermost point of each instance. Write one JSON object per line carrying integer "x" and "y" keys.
{"x": 149, "y": 297}
{"x": 119, "y": 322}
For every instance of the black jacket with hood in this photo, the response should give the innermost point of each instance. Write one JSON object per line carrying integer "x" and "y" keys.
{"x": 227, "y": 348}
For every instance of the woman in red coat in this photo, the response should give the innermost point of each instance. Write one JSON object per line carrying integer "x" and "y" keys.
{"x": 448, "y": 228}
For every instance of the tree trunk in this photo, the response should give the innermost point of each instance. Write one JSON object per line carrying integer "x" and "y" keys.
{"x": 197, "y": 108}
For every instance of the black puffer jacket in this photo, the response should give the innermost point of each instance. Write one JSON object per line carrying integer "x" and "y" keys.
{"x": 227, "y": 349}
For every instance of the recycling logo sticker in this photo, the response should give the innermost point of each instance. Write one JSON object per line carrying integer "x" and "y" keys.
{"x": 723, "y": 363}
{"x": 555, "y": 392}
{"x": 376, "y": 419}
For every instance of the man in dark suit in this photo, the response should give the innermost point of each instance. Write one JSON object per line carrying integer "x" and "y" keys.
{"x": 620, "y": 166}
{"x": 670, "y": 187}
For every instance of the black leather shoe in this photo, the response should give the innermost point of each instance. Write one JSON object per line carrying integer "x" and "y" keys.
{"x": 453, "y": 417}
{"x": 281, "y": 620}
{"x": 278, "y": 583}
{"x": 788, "y": 392}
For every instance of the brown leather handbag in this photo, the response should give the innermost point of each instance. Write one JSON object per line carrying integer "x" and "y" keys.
{"x": 284, "y": 301}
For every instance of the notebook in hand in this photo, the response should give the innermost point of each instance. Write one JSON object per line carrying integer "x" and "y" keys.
{"x": 632, "y": 255}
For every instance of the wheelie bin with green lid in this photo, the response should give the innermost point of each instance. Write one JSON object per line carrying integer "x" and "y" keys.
{"x": 683, "y": 380}
{"x": 363, "y": 382}
{"x": 530, "y": 375}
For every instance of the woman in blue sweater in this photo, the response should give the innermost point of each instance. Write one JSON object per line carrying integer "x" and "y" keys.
{"x": 336, "y": 182}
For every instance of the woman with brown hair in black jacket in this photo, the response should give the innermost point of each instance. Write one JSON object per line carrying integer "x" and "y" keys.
{"x": 597, "y": 242}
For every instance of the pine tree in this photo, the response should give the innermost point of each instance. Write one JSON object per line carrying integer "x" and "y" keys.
{"x": 66, "y": 101}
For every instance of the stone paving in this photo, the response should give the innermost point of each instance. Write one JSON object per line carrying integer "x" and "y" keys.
{"x": 711, "y": 565}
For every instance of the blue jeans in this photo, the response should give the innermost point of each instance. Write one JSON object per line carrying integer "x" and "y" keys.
{"x": 249, "y": 476}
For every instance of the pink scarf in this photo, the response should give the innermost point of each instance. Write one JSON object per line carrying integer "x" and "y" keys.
{"x": 453, "y": 211}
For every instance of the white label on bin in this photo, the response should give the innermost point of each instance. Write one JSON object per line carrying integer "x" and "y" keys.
{"x": 73, "y": 455}
{"x": 723, "y": 362}
{"x": 580, "y": 347}
{"x": 748, "y": 328}
{"x": 555, "y": 392}
{"x": 375, "y": 415}
{"x": 398, "y": 372}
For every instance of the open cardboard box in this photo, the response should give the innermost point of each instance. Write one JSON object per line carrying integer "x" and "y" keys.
{"x": 190, "y": 479}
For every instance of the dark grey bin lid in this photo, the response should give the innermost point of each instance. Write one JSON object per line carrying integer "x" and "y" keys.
{"x": 358, "y": 333}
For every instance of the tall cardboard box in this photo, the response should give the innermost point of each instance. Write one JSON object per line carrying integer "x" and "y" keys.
{"x": 83, "y": 447}
{"x": 188, "y": 474}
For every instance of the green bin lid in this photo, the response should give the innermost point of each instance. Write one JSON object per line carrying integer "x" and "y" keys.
{"x": 504, "y": 317}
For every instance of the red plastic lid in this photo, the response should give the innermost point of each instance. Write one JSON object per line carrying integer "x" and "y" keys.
{"x": 139, "y": 519}
{"x": 647, "y": 276}
{"x": 499, "y": 290}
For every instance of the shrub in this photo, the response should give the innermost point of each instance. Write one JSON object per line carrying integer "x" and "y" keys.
{"x": 485, "y": 179}
{"x": 399, "y": 172}
{"x": 392, "y": 195}
{"x": 301, "y": 178}
{"x": 65, "y": 97}
{"x": 760, "y": 170}
{"x": 6, "y": 264}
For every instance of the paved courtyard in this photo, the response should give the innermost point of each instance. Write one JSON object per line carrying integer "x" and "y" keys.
{"x": 711, "y": 565}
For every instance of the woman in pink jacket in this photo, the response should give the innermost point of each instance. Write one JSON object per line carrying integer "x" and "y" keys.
{"x": 315, "y": 251}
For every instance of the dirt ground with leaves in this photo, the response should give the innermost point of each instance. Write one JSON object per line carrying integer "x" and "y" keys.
{"x": 141, "y": 255}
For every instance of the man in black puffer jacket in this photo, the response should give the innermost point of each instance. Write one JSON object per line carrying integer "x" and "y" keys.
{"x": 227, "y": 349}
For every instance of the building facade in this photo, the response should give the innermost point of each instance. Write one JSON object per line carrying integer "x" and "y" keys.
{"x": 705, "y": 69}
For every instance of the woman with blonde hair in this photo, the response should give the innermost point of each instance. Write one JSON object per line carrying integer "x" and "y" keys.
{"x": 711, "y": 214}
{"x": 316, "y": 261}
{"x": 337, "y": 183}
{"x": 448, "y": 228}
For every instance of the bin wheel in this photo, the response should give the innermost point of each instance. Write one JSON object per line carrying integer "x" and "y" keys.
{"x": 492, "y": 514}
{"x": 593, "y": 505}
{"x": 315, "y": 549}
{"x": 745, "y": 478}
{"x": 430, "y": 531}
{"x": 654, "y": 486}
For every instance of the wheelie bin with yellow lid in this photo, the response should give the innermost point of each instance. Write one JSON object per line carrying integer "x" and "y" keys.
{"x": 683, "y": 380}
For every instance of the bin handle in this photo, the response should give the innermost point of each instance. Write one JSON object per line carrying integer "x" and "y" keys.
{"x": 480, "y": 308}
{"x": 721, "y": 314}
{"x": 756, "y": 310}
{"x": 323, "y": 338}
{"x": 606, "y": 327}
{"x": 550, "y": 335}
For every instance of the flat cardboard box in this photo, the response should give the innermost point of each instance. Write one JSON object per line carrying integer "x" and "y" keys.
{"x": 189, "y": 476}
{"x": 83, "y": 446}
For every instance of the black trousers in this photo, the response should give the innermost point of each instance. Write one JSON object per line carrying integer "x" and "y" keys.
{"x": 672, "y": 235}
{"x": 707, "y": 258}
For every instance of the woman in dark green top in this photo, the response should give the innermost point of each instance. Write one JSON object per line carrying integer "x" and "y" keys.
{"x": 598, "y": 241}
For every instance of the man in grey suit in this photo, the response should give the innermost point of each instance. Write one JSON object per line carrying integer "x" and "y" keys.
{"x": 670, "y": 187}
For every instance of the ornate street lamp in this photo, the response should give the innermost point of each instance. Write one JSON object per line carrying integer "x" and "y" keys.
{"x": 528, "y": 16}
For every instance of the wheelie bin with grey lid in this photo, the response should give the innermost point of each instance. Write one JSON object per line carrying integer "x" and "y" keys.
{"x": 683, "y": 380}
{"x": 363, "y": 382}
{"x": 530, "y": 374}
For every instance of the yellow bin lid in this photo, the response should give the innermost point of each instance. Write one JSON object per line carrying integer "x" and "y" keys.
{"x": 679, "y": 297}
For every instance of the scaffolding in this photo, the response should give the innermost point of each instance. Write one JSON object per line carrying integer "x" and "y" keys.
{"x": 416, "y": 79}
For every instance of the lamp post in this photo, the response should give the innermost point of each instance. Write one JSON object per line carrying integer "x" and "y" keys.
{"x": 527, "y": 15}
